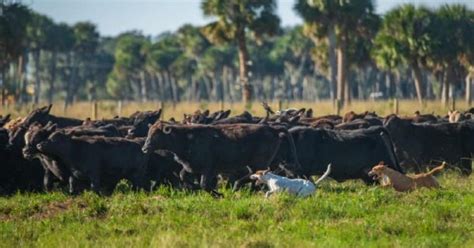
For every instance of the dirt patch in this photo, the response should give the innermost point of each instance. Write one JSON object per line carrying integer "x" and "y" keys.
{"x": 54, "y": 209}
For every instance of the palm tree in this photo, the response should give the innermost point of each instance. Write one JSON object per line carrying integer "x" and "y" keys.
{"x": 336, "y": 21}
{"x": 39, "y": 30}
{"x": 13, "y": 22}
{"x": 86, "y": 40}
{"x": 234, "y": 18}
{"x": 453, "y": 35}
{"x": 406, "y": 37}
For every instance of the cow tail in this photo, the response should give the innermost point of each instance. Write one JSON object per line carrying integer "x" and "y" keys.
{"x": 387, "y": 140}
{"x": 292, "y": 145}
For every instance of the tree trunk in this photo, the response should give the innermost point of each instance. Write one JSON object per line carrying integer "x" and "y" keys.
{"x": 143, "y": 88}
{"x": 388, "y": 85}
{"x": 341, "y": 73}
{"x": 418, "y": 80}
{"x": 243, "y": 66}
{"x": 22, "y": 78}
{"x": 72, "y": 77}
{"x": 36, "y": 57}
{"x": 2, "y": 71}
{"x": 446, "y": 82}
{"x": 469, "y": 87}
{"x": 332, "y": 60}
{"x": 52, "y": 80}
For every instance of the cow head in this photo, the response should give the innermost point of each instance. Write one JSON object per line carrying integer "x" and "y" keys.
{"x": 141, "y": 124}
{"x": 35, "y": 135}
{"x": 56, "y": 142}
{"x": 40, "y": 115}
{"x": 456, "y": 116}
{"x": 156, "y": 135}
{"x": 17, "y": 136}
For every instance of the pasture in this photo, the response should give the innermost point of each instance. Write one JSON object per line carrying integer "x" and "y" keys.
{"x": 346, "y": 214}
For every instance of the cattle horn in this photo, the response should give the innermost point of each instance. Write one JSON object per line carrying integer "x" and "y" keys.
{"x": 166, "y": 130}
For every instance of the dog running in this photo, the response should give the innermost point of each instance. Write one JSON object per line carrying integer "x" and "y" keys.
{"x": 298, "y": 187}
{"x": 403, "y": 183}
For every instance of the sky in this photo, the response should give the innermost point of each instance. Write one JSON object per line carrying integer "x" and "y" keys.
{"x": 156, "y": 16}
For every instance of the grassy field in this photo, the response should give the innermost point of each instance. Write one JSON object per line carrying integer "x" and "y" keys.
{"x": 338, "y": 215}
{"x": 108, "y": 109}
{"x": 348, "y": 214}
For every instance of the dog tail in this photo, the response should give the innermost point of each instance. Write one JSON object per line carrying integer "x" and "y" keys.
{"x": 326, "y": 174}
{"x": 437, "y": 169}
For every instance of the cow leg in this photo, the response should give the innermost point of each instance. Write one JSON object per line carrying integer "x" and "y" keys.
{"x": 187, "y": 180}
{"x": 139, "y": 181}
{"x": 243, "y": 180}
{"x": 47, "y": 180}
{"x": 72, "y": 185}
{"x": 466, "y": 167}
{"x": 95, "y": 184}
{"x": 207, "y": 182}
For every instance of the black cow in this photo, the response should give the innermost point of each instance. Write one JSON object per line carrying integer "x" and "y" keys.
{"x": 142, "y": 123}
{"x": 212, "y": 149}
{"x": 43, "y": 116}
{"x": 245, "y": 117}
{"x": 101, "y": 160}
{"x": 17, "y": 173}
{"x": 351, "y": 153}
{"x": 53, "y": 166}
{"x": 420, "y": 144}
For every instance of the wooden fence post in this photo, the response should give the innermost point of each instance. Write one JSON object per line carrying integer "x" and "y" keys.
{"x": 280, "y": 103}
{"x": 453, "y": 104}
{"x": 94, "y": 110}
{"x": 338, "y": 106}
{"x": 395, "y": 106}
{"x": 119, "y": 108}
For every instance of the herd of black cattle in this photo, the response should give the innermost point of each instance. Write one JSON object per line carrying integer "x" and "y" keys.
{"x": 42, "y": 151}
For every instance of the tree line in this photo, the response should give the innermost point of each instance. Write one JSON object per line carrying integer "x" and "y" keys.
{"x": 342, "y": 51}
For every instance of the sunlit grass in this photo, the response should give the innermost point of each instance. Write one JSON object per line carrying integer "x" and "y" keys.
{"x": 338, "y": 215}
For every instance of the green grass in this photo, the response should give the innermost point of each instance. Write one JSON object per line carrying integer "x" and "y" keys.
{"x": 338, "y": 215}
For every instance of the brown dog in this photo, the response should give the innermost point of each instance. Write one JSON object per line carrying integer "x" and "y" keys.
{"x": 404, "y": 183}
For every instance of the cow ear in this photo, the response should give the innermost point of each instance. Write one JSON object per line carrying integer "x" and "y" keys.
{"x": 206, "y": 112}
{"x": 158, "y": 113}
{"x": 47, "y": 109}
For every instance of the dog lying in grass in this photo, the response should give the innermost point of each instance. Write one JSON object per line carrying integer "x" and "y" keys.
{"x": 298, "y": 187}
{"x": 403, "y": 183}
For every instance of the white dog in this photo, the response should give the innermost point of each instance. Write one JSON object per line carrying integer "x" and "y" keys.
{"x": 298, "y": 187}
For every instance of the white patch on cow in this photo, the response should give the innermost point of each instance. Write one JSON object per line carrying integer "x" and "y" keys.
{"x": 27, "y": 137}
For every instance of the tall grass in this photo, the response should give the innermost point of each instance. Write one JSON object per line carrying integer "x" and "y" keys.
{"x": 109, "y": 109}
{"x": 346, "y": 214}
